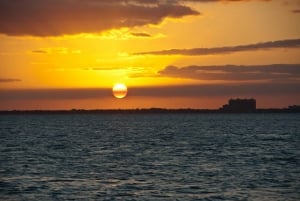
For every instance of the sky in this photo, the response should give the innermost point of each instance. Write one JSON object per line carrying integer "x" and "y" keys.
{"x": 66, "y": 54}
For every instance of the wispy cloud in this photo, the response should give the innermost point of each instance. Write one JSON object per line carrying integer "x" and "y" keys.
{"x": 297, "y": 11}
{"x": 289, "y": 43}
{"x": 60, "y": 17}
{"x": 7, "y": 80}
{"x": 56, "y": 50}
{"x": 39, "y": 51}
{"x": 274, "y": 72}
{"x": 141, "y": 35}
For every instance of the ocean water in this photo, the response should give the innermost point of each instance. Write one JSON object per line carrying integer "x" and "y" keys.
{"x": 150, "y": 157}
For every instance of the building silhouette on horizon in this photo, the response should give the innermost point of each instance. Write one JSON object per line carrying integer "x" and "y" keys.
{"x": 240, "y": 105}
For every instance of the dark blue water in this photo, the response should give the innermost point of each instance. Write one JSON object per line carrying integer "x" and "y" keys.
{"x": 150, "y": 157}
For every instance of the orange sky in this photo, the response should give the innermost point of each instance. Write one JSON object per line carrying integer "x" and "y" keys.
{"x": 62, "y": 54}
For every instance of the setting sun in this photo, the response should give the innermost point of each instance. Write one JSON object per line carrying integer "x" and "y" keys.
{"x": 119, "y": 90}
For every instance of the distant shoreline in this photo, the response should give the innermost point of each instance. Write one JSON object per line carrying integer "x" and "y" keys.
{"x": 148, "y": 111}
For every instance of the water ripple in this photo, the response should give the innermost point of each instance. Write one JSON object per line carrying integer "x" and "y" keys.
{"x": 150, "y": 157}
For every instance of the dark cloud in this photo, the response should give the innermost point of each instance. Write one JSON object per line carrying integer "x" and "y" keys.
{"x": 39, "y": 51}
{"x": 203, "y": 1}
{"x": 296, "y": 11}
{"x": 290, "y": 43}
{"x": 282, "y": 72}
{"x": 6, "y": 80}
{"x": 251, "y": 90}
{"x": 59, "y": 17}
{"x": 45, "y": 94}
{"x": 141, "y": 34}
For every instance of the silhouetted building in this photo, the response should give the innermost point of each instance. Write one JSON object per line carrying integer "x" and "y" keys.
{"x": 240, "y": 105}
{"x": 294, "y": 108}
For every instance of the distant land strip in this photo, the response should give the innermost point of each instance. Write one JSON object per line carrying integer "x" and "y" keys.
{"x": 291, "y": 109}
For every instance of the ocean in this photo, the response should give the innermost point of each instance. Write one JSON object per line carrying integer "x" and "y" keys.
{"x": 150, "y": 157}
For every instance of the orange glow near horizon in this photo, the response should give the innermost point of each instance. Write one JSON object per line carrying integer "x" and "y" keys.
{"x": 97, "y": 54}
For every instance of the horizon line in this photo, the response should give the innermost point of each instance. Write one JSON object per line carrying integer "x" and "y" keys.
{"x": 154, "y": 109}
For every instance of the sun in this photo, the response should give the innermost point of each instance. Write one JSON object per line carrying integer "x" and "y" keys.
{"x": 119, "y": 90}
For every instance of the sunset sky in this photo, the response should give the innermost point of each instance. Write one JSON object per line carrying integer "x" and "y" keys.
{"x": 64, "y": 54}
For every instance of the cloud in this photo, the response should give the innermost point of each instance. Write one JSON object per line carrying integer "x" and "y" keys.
{"x": 45, "y": 94}
{"x": 296, "y": 11}
{"x": 56, "y": 50}
{"x": 289, "y": 43}
{"x": 220, "y": 0}
{"x": 61, "y": 17}
{"x": 250, "y": 89}
{"x": 214, "y": 90}
{"x": 274, "y": 72}
{"x": 7, "y": 80}
{"x": 141, "y": 35}
{"x": 39, "y": 51}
